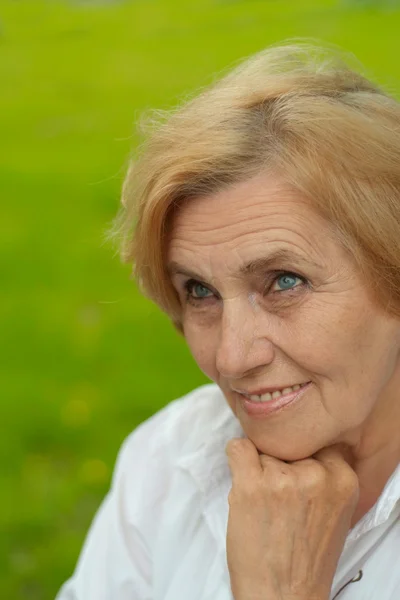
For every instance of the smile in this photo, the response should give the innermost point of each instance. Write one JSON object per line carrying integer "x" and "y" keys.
{"x": 268, "y": 396}
{"x": 260, "y": 406}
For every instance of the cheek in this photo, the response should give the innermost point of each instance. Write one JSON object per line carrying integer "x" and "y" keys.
{"x": 203, "y": 349}
{"x": 329, "y": 335}
{"x": 355, "y": 358}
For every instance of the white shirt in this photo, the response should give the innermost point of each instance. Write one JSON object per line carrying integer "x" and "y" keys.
{"x": 160, "y": 533}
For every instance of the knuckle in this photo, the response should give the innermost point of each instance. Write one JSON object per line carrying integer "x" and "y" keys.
{"x": 251, "y": 493}
{"x": 313, "y": 486}
{"x": 282, "y": 485}
{"x": 316, "y": 479}
{"x": 348, "y": 483}
{"x": 234, "y": 447}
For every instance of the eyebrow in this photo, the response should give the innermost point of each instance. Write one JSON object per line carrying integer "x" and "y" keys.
{"x": 254, "y": 267}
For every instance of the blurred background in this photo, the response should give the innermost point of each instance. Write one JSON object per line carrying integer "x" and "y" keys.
{"x": 83, "y": 357}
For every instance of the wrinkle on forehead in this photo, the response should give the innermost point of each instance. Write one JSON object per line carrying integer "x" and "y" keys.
{"x": 203, "y": 215}
{"x": 261, "y": 192}
{"x": 244, "y": 222}
{"x": 244, "y": 203}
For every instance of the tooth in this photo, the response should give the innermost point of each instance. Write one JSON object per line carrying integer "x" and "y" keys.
{"x": 267, "y": 397}
{"x": 287, "y": 390}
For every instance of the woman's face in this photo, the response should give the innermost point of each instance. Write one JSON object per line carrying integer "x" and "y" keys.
{"x": 270, "y": 299}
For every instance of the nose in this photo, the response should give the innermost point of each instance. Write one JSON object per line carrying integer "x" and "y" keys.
{"x": 243, "y": 344}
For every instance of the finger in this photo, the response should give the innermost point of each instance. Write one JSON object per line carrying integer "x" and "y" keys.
{"x": 334, "y": 456}
{"x": 274, "y": 465}
{"x": 338, "y": 462}
{"x": 243, "y": 459}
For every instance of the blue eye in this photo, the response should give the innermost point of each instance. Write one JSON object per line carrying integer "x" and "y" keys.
{"x": 199, "y": 291}
{"x": 287, "y": 281}
{"x": 196, "y": 290}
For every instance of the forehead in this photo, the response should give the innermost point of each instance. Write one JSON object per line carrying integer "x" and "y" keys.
{"x": 232, "y": 224}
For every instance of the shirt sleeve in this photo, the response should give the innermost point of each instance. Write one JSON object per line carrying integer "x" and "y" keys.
{"x": 116, "y": 559}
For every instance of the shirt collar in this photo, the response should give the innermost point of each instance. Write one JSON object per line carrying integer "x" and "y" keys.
{"x": 387, "y": 502}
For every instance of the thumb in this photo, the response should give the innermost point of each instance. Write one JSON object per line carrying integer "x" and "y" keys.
{"x": 243, "y": 459}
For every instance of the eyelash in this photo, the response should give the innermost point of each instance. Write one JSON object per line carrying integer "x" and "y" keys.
{"x": 191, "y": 283}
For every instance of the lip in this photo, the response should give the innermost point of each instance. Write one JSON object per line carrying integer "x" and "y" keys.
{"x": 263, "y": 409}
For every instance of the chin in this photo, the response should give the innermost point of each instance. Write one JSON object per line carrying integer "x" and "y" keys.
{"x": 286, "y": 452}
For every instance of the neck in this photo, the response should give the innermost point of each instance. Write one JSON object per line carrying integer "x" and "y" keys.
{"x": 376, "y": 453}
{"x": 373, "y": 476}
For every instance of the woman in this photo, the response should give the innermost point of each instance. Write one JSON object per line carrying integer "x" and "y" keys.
{"x": 266, "y": 219}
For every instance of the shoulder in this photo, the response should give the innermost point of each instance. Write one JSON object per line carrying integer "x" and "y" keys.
{"x": 149, "y": 466}
{"x": 178, "y": 429}
{"x": 148, "y": 485}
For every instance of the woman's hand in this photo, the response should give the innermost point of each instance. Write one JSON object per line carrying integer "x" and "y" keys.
{"x": 287, "y": 522}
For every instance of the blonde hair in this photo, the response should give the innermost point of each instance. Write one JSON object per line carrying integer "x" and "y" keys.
{"x": 300, "y": 112}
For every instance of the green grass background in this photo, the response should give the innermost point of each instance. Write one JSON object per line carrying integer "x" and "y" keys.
{"x": 83, "y": 358}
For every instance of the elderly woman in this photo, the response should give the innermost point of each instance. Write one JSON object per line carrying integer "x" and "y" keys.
{"x": 266, "y": 217}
